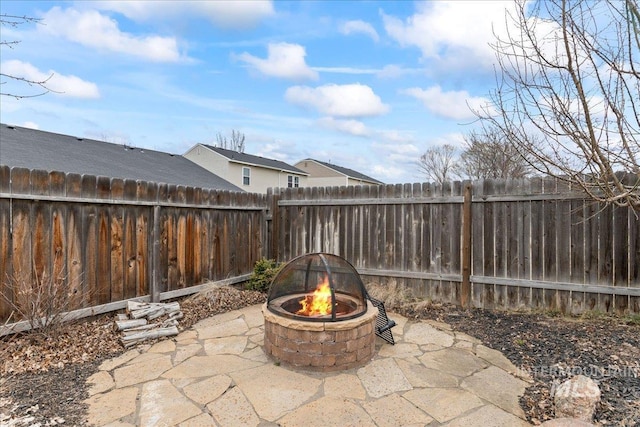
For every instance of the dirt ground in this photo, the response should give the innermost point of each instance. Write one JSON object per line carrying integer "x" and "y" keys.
{"x": 43, "y": 379}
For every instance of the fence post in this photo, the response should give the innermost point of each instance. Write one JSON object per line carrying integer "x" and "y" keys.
{"x": 155, "y": 256}
{"x": 275, "y": 224}
{"x": 465, "y": 289}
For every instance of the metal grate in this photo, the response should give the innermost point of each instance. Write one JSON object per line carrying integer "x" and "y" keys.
{"x": 383, "y": 324}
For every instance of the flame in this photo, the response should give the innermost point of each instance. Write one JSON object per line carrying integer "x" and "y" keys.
{"x": 319, "y": 302}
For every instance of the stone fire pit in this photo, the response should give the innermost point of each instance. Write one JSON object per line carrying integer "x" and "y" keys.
{"x": 317, "y": 315}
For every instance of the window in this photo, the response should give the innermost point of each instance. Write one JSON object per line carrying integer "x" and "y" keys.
{"x": 246, "y": 176}
{"x": 293, "y": 181}
{"x": 296, "y": 181}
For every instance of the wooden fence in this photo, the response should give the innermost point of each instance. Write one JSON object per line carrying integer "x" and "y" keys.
{"x": 111, "y": 240}
{"x": 516, "y": 244}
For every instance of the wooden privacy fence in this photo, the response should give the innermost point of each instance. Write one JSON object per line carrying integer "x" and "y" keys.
{"x": 111, "y": 239}
{"x": 516, "y": 244}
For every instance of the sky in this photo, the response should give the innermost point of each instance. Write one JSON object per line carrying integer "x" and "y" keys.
{"x": 362, "y": 84}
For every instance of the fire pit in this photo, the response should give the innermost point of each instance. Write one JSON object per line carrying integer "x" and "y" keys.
{"x": 317, "y": 315}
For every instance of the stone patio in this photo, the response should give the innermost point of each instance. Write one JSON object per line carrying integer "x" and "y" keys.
{"x": 217, "y": 374}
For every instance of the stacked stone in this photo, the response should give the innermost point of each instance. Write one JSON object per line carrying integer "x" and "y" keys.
{"x": 322, "y": 346}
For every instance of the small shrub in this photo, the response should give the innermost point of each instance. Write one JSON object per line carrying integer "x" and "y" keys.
{"x": 263, "y": 273}
{"x": 43, "y": 300}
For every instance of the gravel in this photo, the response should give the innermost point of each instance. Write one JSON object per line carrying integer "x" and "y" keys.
{"x": 43, "y": 380}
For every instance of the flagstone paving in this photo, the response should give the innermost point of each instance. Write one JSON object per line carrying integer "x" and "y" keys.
{"x": 217, "y": 374}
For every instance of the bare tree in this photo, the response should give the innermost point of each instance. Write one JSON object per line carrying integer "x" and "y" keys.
{"x": 489, "y": 154}
{"x": 235, "y": 143}
{"x": 438, "y": 164}
{"x": 13, "y": 22}
{"x": 568, "y": 70}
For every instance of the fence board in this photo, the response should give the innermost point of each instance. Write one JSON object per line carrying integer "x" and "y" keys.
{"x": 478, "y": 253}
{"x": 620, "y": 250}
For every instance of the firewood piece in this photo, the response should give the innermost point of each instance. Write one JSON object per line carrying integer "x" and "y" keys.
{"x": 177, "y": 315}
{"x": 128, "y": 324}
{"x": 152, "y": 334}
{"x": 133, "y": 331}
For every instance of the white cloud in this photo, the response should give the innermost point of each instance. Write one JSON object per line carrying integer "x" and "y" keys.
{"x": 397, "y": 152}
{"x": 69, "y": 85}
{"x": 92, "y": 29}
{"x": 223, "y": 14}
{"x": 389, "y": 173}
{"x": 455, "y": 32}
{"x": 359, "y": 27}
{"x": 352, "y": 127}
{"x": 457, "y": 105}
{"x": 455, "y": 138}
{"x": 351, "y": 100}
{"x": 284, "y": 60}
{"x": 393, "y": 71}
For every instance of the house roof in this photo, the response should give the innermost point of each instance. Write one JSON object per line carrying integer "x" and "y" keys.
{"x": 249, "y": 159}
{"x": 346, "y": 171}
{"x": 36, "y": 149}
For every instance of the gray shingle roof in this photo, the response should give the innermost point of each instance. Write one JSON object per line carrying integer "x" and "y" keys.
{"x": 36, "y": 149}
{"x": 255, "y": 160}
{"x": 348, "y": 172}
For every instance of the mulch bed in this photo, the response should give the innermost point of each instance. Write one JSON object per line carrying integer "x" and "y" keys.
{"x": 43, "y": 381}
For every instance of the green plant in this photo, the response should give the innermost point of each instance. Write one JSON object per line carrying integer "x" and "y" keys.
{"x": 263, "y": 273}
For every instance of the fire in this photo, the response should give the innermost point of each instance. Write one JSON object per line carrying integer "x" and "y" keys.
{"x": 319, "y": 302}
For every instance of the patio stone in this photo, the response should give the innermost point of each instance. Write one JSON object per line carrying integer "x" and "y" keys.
{"x": 273, "y": 391}
{"x": 328, "y": 411}
{"x": 443, "y": 404}
{"x": 421, "y": 376}
{"x": 488, "y": 415}
{"x": 141, "y": 372}
{"x": 253, "y": 316}
{"x": 225, "y": 345}
{"x": 453, "y": 361}
{"x": 393, "y": 411}
{"x": 232, "y": 409}
{"x": 217, "y": 319}
{"x": 208, "y": 390}
{"x": 183, "y": 352}
{"x": 110, "y": 407}
{"x": 207, "y": 366}
{"x": 423, "y": 333}
{"x": 161, "y": 404}
{"x": 496, "y": 358}
{"x": 382, "y": 377}
{"x": 100, "y": 382}
{"x": 111, "y": 364}
{"x": 344, "y": 385}
{"x": 198, "y": 421}
{"x": 498, "y": 387}
{"x": 400, "y": 350}
{"x": 229, "y": 328}
{"x": 164, "y": 346}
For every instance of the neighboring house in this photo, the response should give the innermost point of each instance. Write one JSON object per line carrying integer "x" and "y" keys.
{"x": 36, "y": 149}
{"x": 322, "y": 174}
{"x": 249, "y": 172}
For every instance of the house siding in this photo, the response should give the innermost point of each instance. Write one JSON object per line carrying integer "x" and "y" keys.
{"x": 261, "y": 178}
{"x": 323, "y": 176}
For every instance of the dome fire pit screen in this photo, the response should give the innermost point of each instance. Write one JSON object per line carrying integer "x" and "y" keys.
{"x": 318, "y": 314}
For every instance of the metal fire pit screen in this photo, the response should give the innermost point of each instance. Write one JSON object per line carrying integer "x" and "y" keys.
{"x": 318, "y": 287}
{"x": 322, "y": 287}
